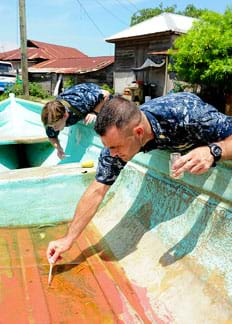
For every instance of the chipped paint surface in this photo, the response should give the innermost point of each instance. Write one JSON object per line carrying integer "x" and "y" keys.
{"x": 178, "y": 240}
{"x": 157, "y": 251}
{"x": 85, "y": 288}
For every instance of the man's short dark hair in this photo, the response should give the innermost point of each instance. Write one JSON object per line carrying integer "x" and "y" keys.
{"x": 117, "y": 112}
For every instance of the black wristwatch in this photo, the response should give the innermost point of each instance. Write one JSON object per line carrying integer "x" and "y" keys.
{"x": 216, "y": 151}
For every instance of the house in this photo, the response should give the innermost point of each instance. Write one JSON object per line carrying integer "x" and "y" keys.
{"x": 50, "y": 65}
{"x": 141, "y": 55}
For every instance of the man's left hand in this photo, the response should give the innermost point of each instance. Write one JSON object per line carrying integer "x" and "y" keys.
{"x": 90, "y": 118}
{"x": 197, "y": 161}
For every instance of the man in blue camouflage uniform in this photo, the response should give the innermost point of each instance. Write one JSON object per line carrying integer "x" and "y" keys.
{"x": 81, "y": 101}
{"x": 178, "y": 122}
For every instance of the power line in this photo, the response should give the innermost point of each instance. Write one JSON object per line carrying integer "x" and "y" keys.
{"x": 111, "y": 13}
{"x": 91, "y": 19}
{"x": 123, "y": 5}
{"x": 133, "y": 5}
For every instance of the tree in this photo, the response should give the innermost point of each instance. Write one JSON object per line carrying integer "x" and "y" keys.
{"x": 204, "y": 55}
{"x": 192, "y": 11}
{"x": 147, "y": 13}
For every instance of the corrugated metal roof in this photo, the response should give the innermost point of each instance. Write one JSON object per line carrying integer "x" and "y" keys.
{"x": 43, "y": 50}
{"x": 58, "y": 59}
{"x": 158, "y": 24}
{"x": 57, "y": 51}
{"x": 71, "y": 65}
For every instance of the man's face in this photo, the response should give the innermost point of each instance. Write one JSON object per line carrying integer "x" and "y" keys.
{"x": 121, "y": 143}
{"x": 59, "y": 124}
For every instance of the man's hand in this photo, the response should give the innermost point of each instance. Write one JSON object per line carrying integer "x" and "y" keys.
{"x": 90, "y": 118}
{"x": 197, "y": 161}
{"x": 56, "y": 143}
{"x": 60, "y": 153}
{"x": 56, "y": 248}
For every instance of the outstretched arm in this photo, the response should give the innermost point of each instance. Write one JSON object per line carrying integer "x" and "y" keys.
{"x": 56, "y": 143}
{"x": 199, "y": 160}
{"x": 84, "y": 212}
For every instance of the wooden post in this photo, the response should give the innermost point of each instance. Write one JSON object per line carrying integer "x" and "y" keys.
{"x": 23, "y": 45}
{"x": 165, "y": 76}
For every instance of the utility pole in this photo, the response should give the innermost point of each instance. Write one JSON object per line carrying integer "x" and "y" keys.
{"x": 23, "y": 45}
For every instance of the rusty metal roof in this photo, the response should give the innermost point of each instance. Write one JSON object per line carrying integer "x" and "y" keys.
{"x": 58, "y": 59}
{"x": 41, "y": 50}
{"x": 73, "y": 65}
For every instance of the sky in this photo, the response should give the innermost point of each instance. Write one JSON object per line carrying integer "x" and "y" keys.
{"x": 82, "y": 24}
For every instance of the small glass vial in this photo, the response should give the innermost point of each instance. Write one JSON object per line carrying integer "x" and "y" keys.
{"x": 173, "y": 157}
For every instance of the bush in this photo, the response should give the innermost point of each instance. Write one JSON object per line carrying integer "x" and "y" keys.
{"x": 69, "y": 82}
{"x": 3, "y": 96}
{"x": 35, "y": 90}
{"x": 203, "y": 55}
{"x": 108, "y": 88}
{"x": 17, "y": 89}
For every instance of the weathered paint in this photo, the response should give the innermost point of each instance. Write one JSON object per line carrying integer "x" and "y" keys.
{"x": 39, "y": 195}
{"x": 162, "y": 255}
{"x": 178, "y": 240}
{"x": 83, "y": 289}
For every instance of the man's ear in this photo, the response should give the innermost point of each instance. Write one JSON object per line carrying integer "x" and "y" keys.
{"x": 66, "y": 114}
{"x": 139, "y": 131}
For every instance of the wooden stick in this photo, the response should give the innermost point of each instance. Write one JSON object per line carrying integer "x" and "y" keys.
{"x": 50, "y": 274}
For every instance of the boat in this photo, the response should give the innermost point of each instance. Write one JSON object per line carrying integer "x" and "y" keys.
{"x": 157, "y": 251}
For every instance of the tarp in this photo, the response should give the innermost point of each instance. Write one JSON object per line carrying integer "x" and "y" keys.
{"x": 149, "y": 64}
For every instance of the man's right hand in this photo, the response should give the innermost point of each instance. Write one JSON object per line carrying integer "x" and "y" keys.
{"x": 56, "y": 144}
{"x": 60, "y": 153}
{"x": 56, "y": 248}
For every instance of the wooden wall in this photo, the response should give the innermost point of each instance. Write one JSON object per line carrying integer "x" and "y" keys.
{"x": 132, "y": 53}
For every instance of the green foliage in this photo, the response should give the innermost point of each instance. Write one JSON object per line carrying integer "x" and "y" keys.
{"x": 147, "y": 13}
{"x": 35, "y": 90}
{"x": 204, "y": 54}
{"x": 17, "y": 89}
{"x": 3, "y": 96}
{"x": 178, "y": 86}
{"x": 108, "y": 88}
{"x": 192, "y": 11}
{"x": 69, "y": 82}
{"x": 144, "y": 14}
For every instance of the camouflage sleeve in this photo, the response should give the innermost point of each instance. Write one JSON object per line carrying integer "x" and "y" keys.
{"x": 84, "y": 97}
{"x": 108, "y": 168}
{"x": 51, "y": 133}
{"x": 215, "y": 126}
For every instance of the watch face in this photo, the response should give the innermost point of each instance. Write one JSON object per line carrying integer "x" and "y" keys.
{"x": 216, "y": 151}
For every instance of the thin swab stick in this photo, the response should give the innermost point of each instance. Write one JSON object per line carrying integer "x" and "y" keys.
{"x": 50, "y": 274}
